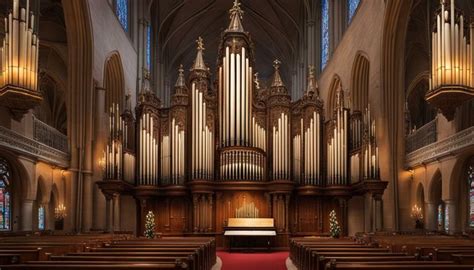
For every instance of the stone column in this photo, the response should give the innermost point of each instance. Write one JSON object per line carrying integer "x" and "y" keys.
{"x": 116, "y": 211}
{"x": 27, "y": 215}
{"x": 431, "y": 212}
{"x": 87, "y": 203}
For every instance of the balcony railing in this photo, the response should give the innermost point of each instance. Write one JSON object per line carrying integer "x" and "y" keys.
{"x": 50, "y": 136}
{"x": 423, "y": 136}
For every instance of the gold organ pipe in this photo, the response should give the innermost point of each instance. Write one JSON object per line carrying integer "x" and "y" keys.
{"x": 238, "y": 93}
{"x": 232, "y": 98}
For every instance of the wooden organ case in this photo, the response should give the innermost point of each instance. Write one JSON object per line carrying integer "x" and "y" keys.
{"x": 233, "y": 149}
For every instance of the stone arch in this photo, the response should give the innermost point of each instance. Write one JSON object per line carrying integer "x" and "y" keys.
{"x": 21, "y": 186}
{"x": 459, "y": 189}
{"x": 334, "y": 86}
{"x": 360, "y": 82}
{"x": 435, "y": 187}
{"x": 421, "y": 112}
{"x": 114, "y": 82}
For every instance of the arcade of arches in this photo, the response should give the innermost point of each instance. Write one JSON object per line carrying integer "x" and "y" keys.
{"x": 137, "y": 116}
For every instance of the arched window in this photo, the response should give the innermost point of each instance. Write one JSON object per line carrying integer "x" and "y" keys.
{"x": 5, "y": 199}
{"x": 148, "y": 47}
{"x": 324, "y": 33}
{"x": 121, "y": 10}
{"x": 470, "y": 181}
{"x": 41, "y": 218}
{"x": 351, "y": 9}
{"x": 441, "y": 217}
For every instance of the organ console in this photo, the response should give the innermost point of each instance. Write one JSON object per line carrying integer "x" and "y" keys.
{"x": 241, "y": 231}
{"x": 218, "y": 143}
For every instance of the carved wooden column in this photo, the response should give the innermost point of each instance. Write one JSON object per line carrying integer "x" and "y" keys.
{"x": 116, "y": 212}
{"x": 287, "y": 204}
{"x": 195, "y": 212}
{"x": 378, "y": 212}
{"x": 108, "y": 213}
{"x": 343, "y": 211}
{"x": 211, "y": 216}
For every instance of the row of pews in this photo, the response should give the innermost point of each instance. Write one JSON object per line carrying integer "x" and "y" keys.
{"x": 106, "y": 252}
{"x": 409, "y": 253}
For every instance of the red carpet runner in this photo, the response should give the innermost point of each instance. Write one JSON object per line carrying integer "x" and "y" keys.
{"x": 253, "y": 261}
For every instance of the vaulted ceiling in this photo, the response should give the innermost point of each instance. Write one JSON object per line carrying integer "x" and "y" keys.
{"x": 275, "y": 27}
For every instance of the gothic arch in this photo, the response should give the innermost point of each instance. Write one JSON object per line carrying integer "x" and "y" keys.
{"x": 335, "y": 84}
{"x": 435, "y": 187}
{"x": 360, "y": 82}
{"x": 114, "y": 82}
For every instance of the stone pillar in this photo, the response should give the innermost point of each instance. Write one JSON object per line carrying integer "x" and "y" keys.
{"x": 450, "y": 208}
{"x": 27, "y": 215}
{"x": 431, "y": 212}
{"x": 87, "y": 203}
{"x": 378, "y": 212}
{"x": 108, "y": 213}
{"x": 116, "y": 211}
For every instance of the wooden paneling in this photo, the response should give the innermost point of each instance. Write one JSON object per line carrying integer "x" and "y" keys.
{"x": 172, "y": 214}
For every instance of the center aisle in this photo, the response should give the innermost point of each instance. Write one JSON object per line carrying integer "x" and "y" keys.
{"x": 253, "y": 261}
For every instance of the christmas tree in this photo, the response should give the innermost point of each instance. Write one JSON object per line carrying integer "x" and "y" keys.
{"x": 150, "y": 225}
{"x": 335, "y": 230}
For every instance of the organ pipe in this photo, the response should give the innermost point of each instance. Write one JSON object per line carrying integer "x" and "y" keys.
{"x": 149, "y": 150}
{"x": 337, "y": 150}
{"x": 19, "y": 49}
{"x": 370, "y": 168}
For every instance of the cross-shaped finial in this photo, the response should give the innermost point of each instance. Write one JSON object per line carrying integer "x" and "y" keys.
{"x": 236, "y": 9}
{"x": 200, "y": 44}
{"x": 276, "y": 64}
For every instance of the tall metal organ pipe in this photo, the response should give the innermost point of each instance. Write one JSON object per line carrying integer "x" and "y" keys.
{"x": 337, "y": 150}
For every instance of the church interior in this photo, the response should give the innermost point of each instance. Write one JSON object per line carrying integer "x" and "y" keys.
{"x": 237, "y": 134}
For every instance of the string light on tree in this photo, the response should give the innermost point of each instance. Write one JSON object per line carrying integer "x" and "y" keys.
{"x": 334, "y": 228}
{"x": 150, "y": 225}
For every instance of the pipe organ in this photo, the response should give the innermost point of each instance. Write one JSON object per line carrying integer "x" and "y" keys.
{"x": 236, "y": 138}
{"x": 240, "y": 131}
{"x": 370, "y": 149}
{"x": 307, "y": 141}
{"x": 19, "y": 51}
{"x": 148, "y": 125}
{"x": 337, "y": 150}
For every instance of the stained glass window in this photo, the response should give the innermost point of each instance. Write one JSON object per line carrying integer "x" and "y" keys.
{"x": 470, "y": 181}
{"x": 324, "y": 32}
{"x": 148, "y": 47}
{"x": 41, "y": 218}
{"x": 5, "y": 211}
{"x": 121, "y": 10}
{"x": 446, "y": 219}
{"x": 351, "y": 8}
{"x": 440, "y": 216}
